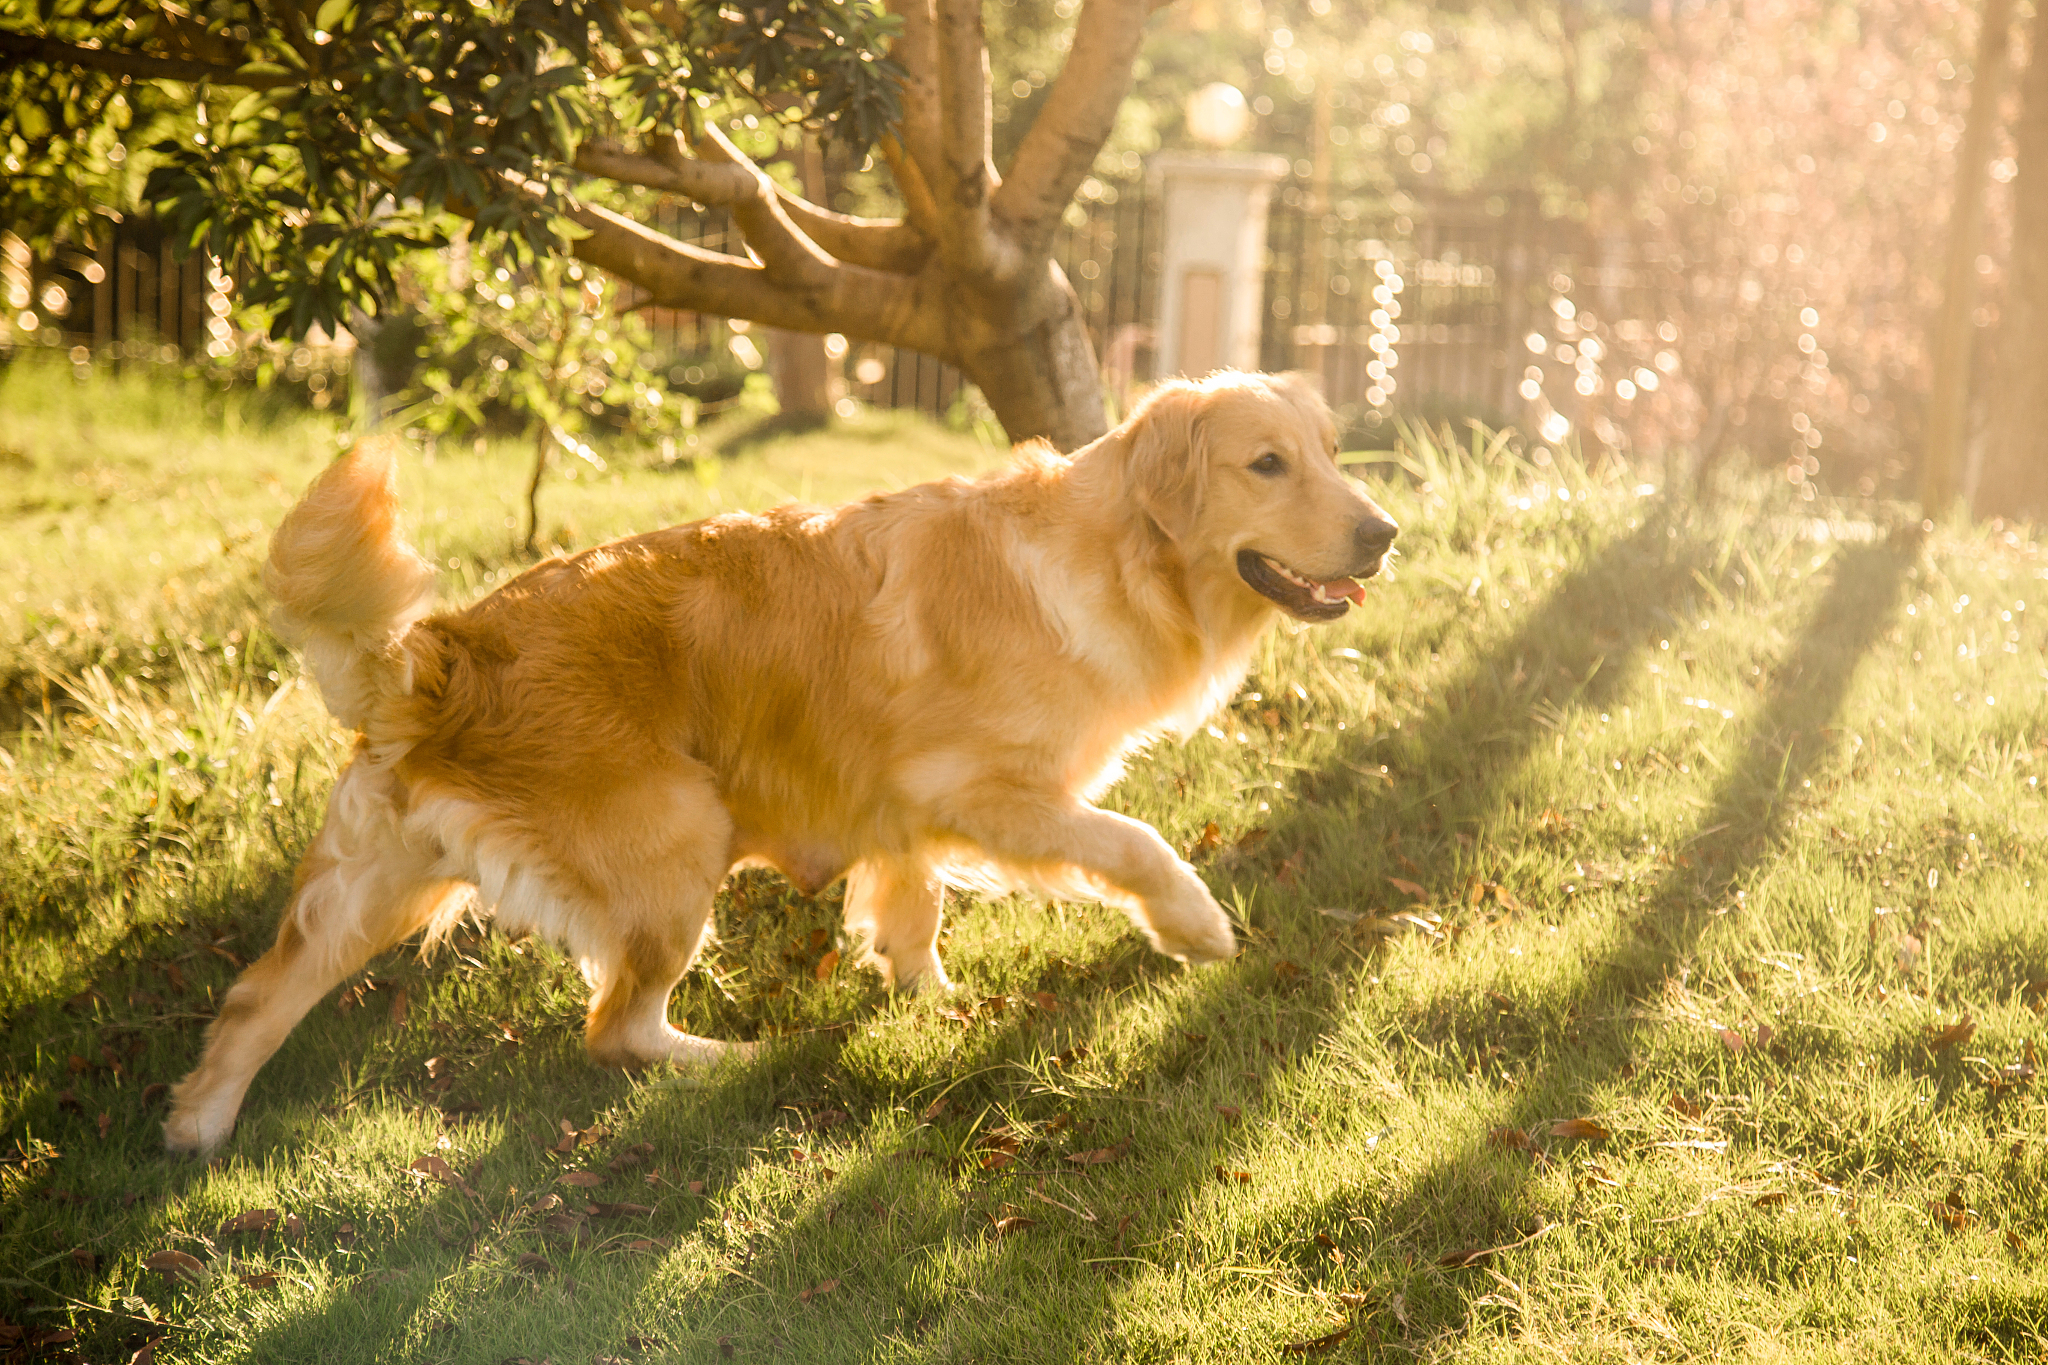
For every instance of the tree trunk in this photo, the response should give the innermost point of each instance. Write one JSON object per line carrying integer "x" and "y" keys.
{"x": 1948, "y": 406}
{"x": 1042, "y": 382}
{"x": 2014, "y": 482}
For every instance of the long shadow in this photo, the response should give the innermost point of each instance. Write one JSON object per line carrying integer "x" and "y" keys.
{"x": 1471, "y": 1196}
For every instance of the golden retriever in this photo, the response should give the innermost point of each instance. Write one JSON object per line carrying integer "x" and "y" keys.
{"x": 923, "y": 686}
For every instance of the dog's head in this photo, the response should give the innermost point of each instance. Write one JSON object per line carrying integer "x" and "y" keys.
{"x": 1240, "y": 472}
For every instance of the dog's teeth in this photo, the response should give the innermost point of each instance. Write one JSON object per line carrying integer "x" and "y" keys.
{"x": 1320, "y": 595}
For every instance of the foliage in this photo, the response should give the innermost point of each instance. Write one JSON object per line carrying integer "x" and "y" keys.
{"x": 327, "y": 144}
{"x": 543, "y": 342}
{"x": 1641, "y": 961}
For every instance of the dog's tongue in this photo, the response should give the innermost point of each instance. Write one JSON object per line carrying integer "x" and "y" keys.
{"x": 1345, "y": 587}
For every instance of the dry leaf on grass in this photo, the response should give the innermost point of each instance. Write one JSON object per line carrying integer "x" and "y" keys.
{"x": 1513, "y": 1139}
{"x": 1730, "y": 1039}
{"x": 639, "y": 1154}
{"x": 582, "y": 1180}
{"x": 1407, "y": 888}
{"x": 1769, "y": 1201}
{"x": 1686, "y": 1107}
{"x": 434, "y": 1168}
{"x": 1099, "y": 1156}
{"x": 826, "y": 964}
{"x": 250, "y": 1220}
{"x": 601, "y": 1210}
{"x": 266, "y": 1279}
{"x": 1230, "y": 1112}
{"x": 1586, "y": 1130}
{"x": 1942, "y": 1039}
{"x": 1003, "y": 1227}
{"x": 1316, "y": 1346}
{"x": 177, "y": 1265}
{"x": 818, "y": 1290}
{"x": 1233, "y": 1177}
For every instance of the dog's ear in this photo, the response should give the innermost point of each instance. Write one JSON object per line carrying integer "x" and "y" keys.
{"x": 1166, "y": 462}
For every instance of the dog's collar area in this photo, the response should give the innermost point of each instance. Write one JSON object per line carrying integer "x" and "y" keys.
{"x": 1308, "y": 598}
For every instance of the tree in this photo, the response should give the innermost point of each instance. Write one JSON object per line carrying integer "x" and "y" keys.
{"x": 2014, "y": 479}
{"x": 327, "y": 141}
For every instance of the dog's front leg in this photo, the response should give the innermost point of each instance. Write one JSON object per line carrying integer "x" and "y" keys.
{"x": 895, "y": 904}
{"x": 1052, "y": 835}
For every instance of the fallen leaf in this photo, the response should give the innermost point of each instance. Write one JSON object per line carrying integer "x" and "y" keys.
{"x": 1769, "y": 1201}
{"x": 582, "y": 1180}
{"x": 1466, "y": 1258}
{"x": 2016, "y": 1242}
{"x": 1230, "y": 1112}
{"x": 533, "y": 1263}
{"x": 145, "y": 1354}
{"x": 995, "y": 1161}
{"x": 646, "y": 1244}
{"x": 1941, "y": 1040}
{"x": 1685, "y": 1106}
{"x": 1730, "y": 1039}
{"x": 345, "y": 1234}
{"x": 1408, "y": 888}
{"x": 1317, "y": 1345}
{"x": 265, "y": 1279}
{"x": 68, "y": 1100}
{"x": 294, "y": 1226}
{"x": 1290, "y": 869}
{"x": 401, "y": 1010}
{"x": 1003, "y": 1227}
{"x": 177, "y": 1265}
{"x": 695, "y": 1187}
{"x": 826, "y": 964}
{"x": 1210, "y": 838}
{"x": 250, "y": 1220}
{"x": 818, "y": 1290}
{"x": 1099, "y": 1156}
{"x": 1514, "y": 1139}
{"x": 1046, "y": 1001}
{"x": 1587, "y": 1130}
{"x": 1907, "y": 949}
{"x": 635, "y": 1156}
{"x": 1227, "y": 1176}
{"x": 84, "y": 1261}
{"x": 153, "y": 1092}
{"x": 106, "y": 1124}
{"x": 1351, "y": 1298}
{"x": 621, "y": 1210}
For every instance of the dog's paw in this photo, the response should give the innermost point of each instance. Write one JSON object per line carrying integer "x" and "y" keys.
{"x": 187, "y": 1132}
{"x": 923, "y": 977}
{"x": 1191, "y": 927}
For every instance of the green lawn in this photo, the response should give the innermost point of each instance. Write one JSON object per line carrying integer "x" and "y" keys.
{"x": 1641, "y": 962}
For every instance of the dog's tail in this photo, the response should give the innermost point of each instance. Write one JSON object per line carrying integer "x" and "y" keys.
{"x": 348, "y": 586}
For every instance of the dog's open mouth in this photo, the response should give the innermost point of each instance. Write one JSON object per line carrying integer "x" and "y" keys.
{"x": 1310, "y": 599}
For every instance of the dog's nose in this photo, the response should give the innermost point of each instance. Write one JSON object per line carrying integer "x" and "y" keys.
{"x": 1374, "y": 535}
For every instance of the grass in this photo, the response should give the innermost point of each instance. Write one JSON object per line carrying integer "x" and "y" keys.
{"x": 1641, "y": 962}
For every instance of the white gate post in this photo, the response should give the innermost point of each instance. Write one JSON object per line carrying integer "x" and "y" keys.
{"x": 1212, "y": 258}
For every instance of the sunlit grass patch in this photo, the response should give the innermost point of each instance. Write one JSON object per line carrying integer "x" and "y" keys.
{"x": 1643, "y": 960}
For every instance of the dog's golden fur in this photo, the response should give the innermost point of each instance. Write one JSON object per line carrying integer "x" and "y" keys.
{"x": 924, "y": 685}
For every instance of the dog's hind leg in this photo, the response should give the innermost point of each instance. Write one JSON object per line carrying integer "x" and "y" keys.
{"x": 895, "y": 904}
{"x": 358, "y": 891}
{"x": 652, "y": 858}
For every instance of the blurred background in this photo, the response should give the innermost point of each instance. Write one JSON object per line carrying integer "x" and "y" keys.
{"x": 1697, "y": 236}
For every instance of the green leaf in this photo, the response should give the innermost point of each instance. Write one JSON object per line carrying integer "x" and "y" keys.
{"x": 331, "y": 13}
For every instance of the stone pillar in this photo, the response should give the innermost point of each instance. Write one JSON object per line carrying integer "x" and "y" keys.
{"x": 1212, "y": 258}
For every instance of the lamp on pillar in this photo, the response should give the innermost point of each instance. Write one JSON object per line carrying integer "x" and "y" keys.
{"x": 1213, "y": 245}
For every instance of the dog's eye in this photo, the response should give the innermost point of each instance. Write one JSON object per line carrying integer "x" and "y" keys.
{"x": 1268, "y": 463}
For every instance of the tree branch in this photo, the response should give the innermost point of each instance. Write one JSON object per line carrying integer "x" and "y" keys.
{"x": 1075, "y": 120}
{"x": 869, "y": 304}
{"x": 789, "y": 255}
{"x": 967, "y": 176}
{"x": 703, "y": 181}
{"x": 918, "y": 204}
{"x": 877, "y": 243}
{"x": 916, "y": 51}
{"x": 23, "y": 47}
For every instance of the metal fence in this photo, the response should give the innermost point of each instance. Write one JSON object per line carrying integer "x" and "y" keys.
{"x": 1421, "y": 306}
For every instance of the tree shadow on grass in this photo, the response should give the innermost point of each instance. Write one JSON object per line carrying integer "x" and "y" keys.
{"x": 1473, "y": 1197}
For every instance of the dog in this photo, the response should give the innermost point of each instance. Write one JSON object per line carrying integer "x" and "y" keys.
{"x": 926, "y": 686}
